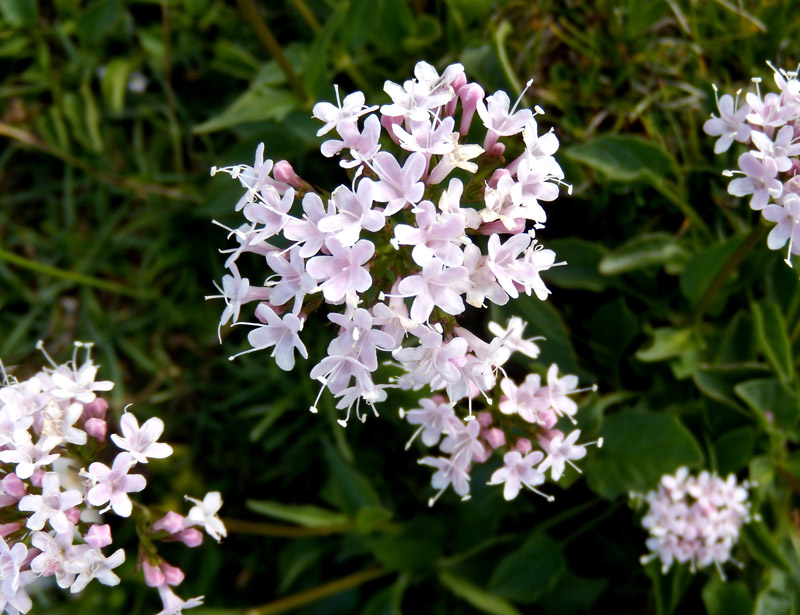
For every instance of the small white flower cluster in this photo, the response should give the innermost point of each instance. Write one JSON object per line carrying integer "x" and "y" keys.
{"x": 695, "y": 519}
{"x": 50, "y": 425}
{"x": 771, "y": 126}
{"x": 430, "y": 221}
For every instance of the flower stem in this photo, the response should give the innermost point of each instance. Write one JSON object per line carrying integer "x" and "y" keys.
{"x": 126, "y": 183}
{"x": 239, "y": 526}
{"x": 75, "y": 277}
{"x": 251, "y": 14}
{"x": 734, "y": 260}
{"x": 307, "y": 15}
{"x": 317, "y": 593}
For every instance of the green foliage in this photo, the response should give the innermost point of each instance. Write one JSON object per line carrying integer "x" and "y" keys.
{"x": 670, "y": 302}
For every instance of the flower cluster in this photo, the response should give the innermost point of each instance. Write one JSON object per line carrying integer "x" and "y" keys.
{"x": 695, "y": 519}
{"x": 770, "y": 125}
{"x": 432, "y": 219}
{"x": 55, "y": 488}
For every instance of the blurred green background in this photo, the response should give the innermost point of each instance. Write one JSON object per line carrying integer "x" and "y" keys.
{"x": 112, "y": 113}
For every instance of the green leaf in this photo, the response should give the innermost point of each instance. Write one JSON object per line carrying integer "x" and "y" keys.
{"x": 772, "y": 602}
{"x": 773, "y": 338}
{"x": 642, "y": 251}
{"x": 762, "y": 546}
{"x": 624, "y": 158}
{"x": 412, "y": 546}
{"x": 734, "y": 449}
{"x": 667, "y": 343}
{"x": 19, "y": 13}
{"x": 371, "y": 516}
{"x": 300, "y": 514}
{"x": 583, "y": 258}
{"x": 727, "y": 598}
{"x": 703, "y": 266}
{"x": 315, "y": 75}
{"x": 718, "y": 381}
{"x": 352, "y": 490}
{"x": 474, "y": 595}
{"x": 543, "y": 319}
{"x": 115, "y": 83}
{"x": 615, "y": 326}
{"x": 738, "y": 343}
{"x": 257, "y": 104}
{"x": 639, "y": 448}
{"x": 529, "y": 572}
{"x": 573, "y": 594}
{"x": 771, "y": 400}
{"x": 98, "y": 20}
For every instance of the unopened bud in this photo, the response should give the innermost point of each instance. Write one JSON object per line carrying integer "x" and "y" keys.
{"x": 98, "y": 536}
{"x": 97, "y": 428}
{"x": 171, "y": 523}
{"x": 191, "y": 537}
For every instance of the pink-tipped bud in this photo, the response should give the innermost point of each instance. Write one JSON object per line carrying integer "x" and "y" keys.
{"x": 98, "y": 536}
{"x": 191, "y": 537}
{"x": 284, "y": 172}
{"x": 524, "y": 446}
{"x": 387, "y": 123}
{"x": 36, "y": 478}
{"x": 97, "y": 408}
{"x": 97, "y": 428}
{"x": 457, "y": 83}
{"x": 470, "y": 94}
{"x": 9, "y": 528}
{"x": 171, "y": 523}
{"x": 484, "y": 419}
{"x": 497, "y": 176}
{"x": 13, "y": 486}
{"x": 73, "y": 515}
{"x": 548, "y": 419}
{"x": 494, "y": 437}
{"x": 497, "y": 150}
{"x": 498, "y": 226}
{"x": 153, "y": 575}
{"x": 172, "y": 575}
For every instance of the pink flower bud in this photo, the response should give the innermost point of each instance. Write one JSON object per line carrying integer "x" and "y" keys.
{"x": 172, "y": 523}
{"x": 496, "y": 176}
{"x": 548, "y": 419}
{"x": 498, "y": 226}
{"x": 469, "y": 94}
{"x": 172, "y": 574}
{"x": 457, "y": 83}
{"x": 153, "y": 575}
{"x": 36, "y": 478}
{"x": 96, "y": 428}
{"x": 9, "y": 528}
{"x": 283, "y": 172}
{"x": 524, "y": 446}
{"x": 73, "y": 515}
{"x": 97, "y": 408}
{"x": 484, "y": 419}
{"x": 494, "y": 437}
{"x": 191, "y": 537}
{"x": 496, "y": 150}
{"x": 98, "y": 536}
{"x": 12, "y": 485}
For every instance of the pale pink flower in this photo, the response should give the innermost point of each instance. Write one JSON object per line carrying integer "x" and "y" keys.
{"x": 140, "y": 442}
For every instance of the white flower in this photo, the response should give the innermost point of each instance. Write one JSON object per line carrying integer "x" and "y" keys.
{"x": 517, "y": 471}
{"x": 50, "y": 506}
{"x": 140, "y": 442}
{"x": 205, "y": 513}
{"x": 173, "y": 605}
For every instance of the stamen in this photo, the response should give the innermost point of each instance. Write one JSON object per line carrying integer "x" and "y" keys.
{"x": 40, "y": 348}
{"x": 525, "y": 89}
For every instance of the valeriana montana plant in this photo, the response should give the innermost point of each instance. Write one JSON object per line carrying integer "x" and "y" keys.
{"x": 695, "y": 519}
{"x": 770, "y": 125}
{"x": 61, "y": 480}
{"x": 432, "y": 219}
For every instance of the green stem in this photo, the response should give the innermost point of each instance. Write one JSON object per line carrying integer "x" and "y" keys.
{"x": 239, "y": 526}
{"x": 728, "y": 268}
{"x": 251, "y": 14}
{"x": 500, "y": 33}
{"x": 307, "y": 15}
{"x": 315, "y": 594}
{"x": 126, "y": 183}
{"x": 75, "y": 277}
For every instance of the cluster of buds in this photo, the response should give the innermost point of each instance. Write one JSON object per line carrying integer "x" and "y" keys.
{"x": 432, "y": 219}
{"x": 695, "y": 519}
{"x": 53, "y": 427}
{"x": 770, "y": 124}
